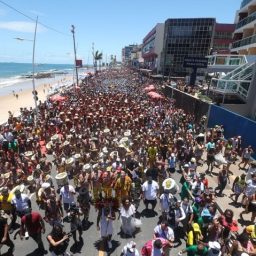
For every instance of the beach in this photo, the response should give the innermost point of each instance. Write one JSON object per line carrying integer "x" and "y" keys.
{"x": 12, "y": 102}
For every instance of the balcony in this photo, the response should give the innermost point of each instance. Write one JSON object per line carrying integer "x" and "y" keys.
{"x": 246, "y": 20}
{"x": 244, "y": 3}
{"x": 246, "y": 41}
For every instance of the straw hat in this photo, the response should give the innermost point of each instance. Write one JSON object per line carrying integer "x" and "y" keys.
{"x": 106, "y": 130}
{"x": 95, "y": 166}
{"x": 66, "y": 143}
{"x": 77, "y": 156}
{"x": 69, "y": 161}
{"x": 48, "y": 145}
{"x": 86, "y": 167}
{"x": 45, "y": 185}
{"x": 105, "y": 150}
{"x": 127, "y": 133}
{"x": 28, "y": 153}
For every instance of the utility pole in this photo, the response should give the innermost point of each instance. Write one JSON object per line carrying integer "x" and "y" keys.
{"x": 33, "y": 72}
{"x": 74, "y": 41}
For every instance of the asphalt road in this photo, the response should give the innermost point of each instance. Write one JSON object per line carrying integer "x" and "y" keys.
{"x": 91, "y": 245}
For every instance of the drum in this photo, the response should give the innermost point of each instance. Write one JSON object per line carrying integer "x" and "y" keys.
{"x": 30, "y": 180}
{"x": 69, "y": 162}
{"x": 170, "y": 186}
{"x": 61, "y": 179}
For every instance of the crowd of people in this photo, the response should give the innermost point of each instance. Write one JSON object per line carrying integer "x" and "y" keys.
{"x": 106, "y": 145}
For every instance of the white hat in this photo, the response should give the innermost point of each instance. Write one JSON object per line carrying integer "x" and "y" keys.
{"x": 186, "y": 165}
{"x": 105, "y": 150}
{"x": 77, "y": 156}
{"x": 193, "y": 160}
{"x": 46, "y": 185}
{"x": 86, "y": 167}
{"x": 214, "y": 249}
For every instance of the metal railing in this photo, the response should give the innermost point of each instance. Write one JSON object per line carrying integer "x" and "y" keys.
{"x": 246, "y": 20}
{"x": 245, "y": 41}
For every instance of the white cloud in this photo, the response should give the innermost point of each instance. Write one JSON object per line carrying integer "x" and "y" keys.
{"x": 21, "y": 26}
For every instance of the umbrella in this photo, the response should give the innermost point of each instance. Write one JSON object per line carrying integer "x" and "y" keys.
{"x": 149, "y": 88}
{"x": 155, "y": 95}
{"x": 57, "y": 98}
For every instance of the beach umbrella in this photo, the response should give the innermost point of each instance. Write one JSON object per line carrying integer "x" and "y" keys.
{"x": 155, "y": 95}
{"x": 149, "y": 88}
{"x": 57, "y": 98}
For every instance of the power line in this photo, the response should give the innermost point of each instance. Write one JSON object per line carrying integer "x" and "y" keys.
{"x": 30, "y": 18}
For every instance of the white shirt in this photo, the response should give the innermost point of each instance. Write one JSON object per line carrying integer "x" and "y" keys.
{"x": 68, "y": 196}
{"x": 150, "y": 190}
{"x": 165, "y": 234}
{"x": 200, "y": 186}
{"x": 127, "y": 253}
{"x": 165, "y": 202}
{"x": 20, "y": 203}
{"x": 127, "y": 213}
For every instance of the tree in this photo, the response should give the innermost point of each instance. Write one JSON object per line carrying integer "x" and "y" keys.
{"x": 97, "y": 57}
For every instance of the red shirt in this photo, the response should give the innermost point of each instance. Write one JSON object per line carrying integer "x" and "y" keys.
{"x": 32, "y": 223}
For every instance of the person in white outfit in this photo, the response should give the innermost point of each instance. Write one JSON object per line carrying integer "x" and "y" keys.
{"x": 105, "y": 219}
{"x": 127, "y": 213}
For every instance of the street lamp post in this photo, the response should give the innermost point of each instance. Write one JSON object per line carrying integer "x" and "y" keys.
{"x": 33, "y": 69}
{"x": 74, "y": 41}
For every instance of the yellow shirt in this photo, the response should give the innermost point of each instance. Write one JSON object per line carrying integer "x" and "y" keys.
{"x": 5, "y": 202}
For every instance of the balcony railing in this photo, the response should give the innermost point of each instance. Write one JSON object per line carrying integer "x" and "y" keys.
{"x": 245, "y": 41}
{"x": 246, "y": 20}
{"x": 244, "y": 3}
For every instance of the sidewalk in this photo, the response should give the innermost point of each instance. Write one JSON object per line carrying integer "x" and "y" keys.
{"x": 226, "y": 202}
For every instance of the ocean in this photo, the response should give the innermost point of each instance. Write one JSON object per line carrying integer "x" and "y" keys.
{"x": 17, "y": 76}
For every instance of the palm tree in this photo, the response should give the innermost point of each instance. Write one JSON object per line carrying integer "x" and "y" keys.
{"x": 97, "y": 57}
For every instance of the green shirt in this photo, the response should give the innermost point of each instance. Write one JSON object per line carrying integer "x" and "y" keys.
{"x": 193, "y": 251}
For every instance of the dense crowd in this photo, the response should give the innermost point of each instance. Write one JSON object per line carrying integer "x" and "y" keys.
{"x": 113, "y": 147}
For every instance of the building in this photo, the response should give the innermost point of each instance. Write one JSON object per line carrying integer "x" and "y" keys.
{"x": 245, "y": 31}
{"x": 152, "y": 48}
{"x": 126, "y": 53}
{"x": 136, "y": 57}
{"x": 223, "y": 38}
{"x": 236, "y": 89}
{"x": 192, "y": 37}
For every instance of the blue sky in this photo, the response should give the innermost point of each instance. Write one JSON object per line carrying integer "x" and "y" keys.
{"x": 110, "y": 24}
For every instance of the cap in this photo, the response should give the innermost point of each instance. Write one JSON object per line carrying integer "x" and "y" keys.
{"x": 196, "y": 227}
{"x": 186, "y": 165}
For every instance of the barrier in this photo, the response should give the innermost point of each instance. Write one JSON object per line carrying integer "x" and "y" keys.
{"x": 234, "y": 125}
{"x": 187, "y": 102}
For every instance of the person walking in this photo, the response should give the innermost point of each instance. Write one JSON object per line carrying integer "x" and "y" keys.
{"x": 127, "y": 213}
{"x": 150, "y": 190}
{"x": 223, "y": 179}
{"x": 33, "y": 224}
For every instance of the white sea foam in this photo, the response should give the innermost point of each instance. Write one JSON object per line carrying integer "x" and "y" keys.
{"x": 5, "y": 82}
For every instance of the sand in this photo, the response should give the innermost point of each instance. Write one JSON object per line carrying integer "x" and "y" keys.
{"x": 25, "y": 99}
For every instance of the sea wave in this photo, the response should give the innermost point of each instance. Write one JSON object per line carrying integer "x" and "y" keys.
{"x": 5, "y": 82}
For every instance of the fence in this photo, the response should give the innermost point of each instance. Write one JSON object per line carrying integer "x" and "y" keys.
{"x": 187, "y": 102}
{"x": 234, "y": 125}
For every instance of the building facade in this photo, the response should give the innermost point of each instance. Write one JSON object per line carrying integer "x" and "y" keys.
{"x": 245, "y": 31}
{"x": 223, "y": 38}
{"x": 152, "y": 47}
{"x": 126, "y": 53}
{"x": 192, "y": 37}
